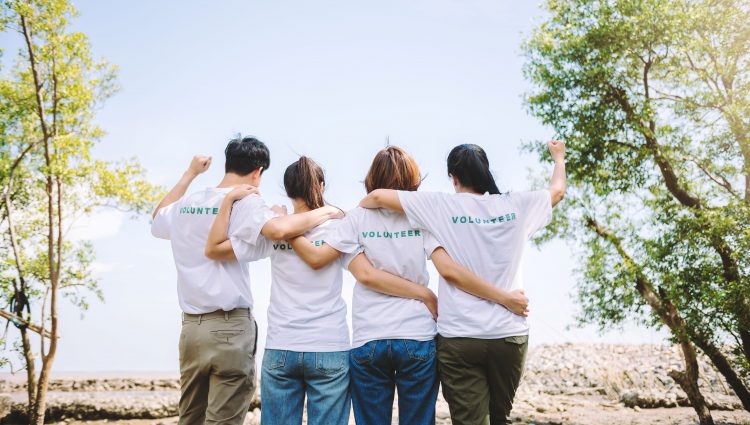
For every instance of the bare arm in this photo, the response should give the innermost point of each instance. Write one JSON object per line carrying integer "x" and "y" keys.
{"x": 386, "y": 283}
{"x": 463, "y": 279}
{"x": 382, "y": 198}
{"x": 316, "y": 257}
{"x": 198, "y": 165}
{"x": 289, "y": 226}
{"x": 558, "y": 182}
{"x": 218, "y": 245}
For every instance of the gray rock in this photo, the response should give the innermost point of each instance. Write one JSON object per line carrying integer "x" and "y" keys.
{"x": 6, "y": 403}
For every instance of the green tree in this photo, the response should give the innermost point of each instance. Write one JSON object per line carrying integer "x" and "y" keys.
{"x": 653, "y": 99}
{"x": 48, "y": 178}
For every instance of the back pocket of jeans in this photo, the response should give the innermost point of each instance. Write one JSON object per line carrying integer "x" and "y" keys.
{"x": 330, "y": 363}
{"x": 363, "y": 354}
{"x": 274, "y": 359}
{"x": 420, "y": 350}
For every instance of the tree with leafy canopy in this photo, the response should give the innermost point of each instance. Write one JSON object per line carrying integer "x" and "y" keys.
{"x": 653, "y": 99}
{"x": 49, "y": 179}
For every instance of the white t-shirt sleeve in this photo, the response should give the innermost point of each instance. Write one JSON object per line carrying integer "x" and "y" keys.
{"x": 420, "y": 207}
{"x": 161, "y": 227}
{"x": 246, "y": 252}
{"x": 430, "y": 243}
{"x": 535, "y": 208}
{"x": 248, "y": 217}
{"x": 343, "y": 235}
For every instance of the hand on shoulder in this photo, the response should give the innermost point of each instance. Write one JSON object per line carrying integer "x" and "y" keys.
{"x": 242, "y": 191}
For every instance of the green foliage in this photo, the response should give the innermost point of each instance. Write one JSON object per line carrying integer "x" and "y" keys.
{"x": 653, "y": 100}
{"x": 48, "y": 176}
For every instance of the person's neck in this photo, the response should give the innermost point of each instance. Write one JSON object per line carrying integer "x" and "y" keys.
{"x": 462, "y": 189}
{"x": 233, "y": 180}
{"x": 299, "y": 206}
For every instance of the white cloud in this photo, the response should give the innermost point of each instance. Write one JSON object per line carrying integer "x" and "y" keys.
{"x": 100, "y": 224}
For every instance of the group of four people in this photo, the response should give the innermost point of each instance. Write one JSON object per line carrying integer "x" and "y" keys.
{"x": 472, "y": 339}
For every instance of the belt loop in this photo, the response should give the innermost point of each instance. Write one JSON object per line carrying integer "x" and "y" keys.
{"x": 200, "y": 317}
{"x": 226, "y": 316}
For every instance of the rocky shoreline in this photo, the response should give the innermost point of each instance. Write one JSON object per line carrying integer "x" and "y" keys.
{"x": 559, "y": 379}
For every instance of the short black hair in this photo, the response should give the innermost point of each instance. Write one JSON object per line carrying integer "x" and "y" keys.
{"x": 245, "y": 155}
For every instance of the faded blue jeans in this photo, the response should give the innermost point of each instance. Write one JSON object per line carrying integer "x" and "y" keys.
{"x": 288, "y": 376}
{"x": 381, "y": 366}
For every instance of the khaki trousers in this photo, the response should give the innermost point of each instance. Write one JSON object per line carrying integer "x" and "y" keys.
{"x": 217, "y": 367}
{"x": 480, "y": 377}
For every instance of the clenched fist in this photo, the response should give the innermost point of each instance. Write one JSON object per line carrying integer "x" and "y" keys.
{"x": 199, "y": 164}
{"x": 557, "y": 150}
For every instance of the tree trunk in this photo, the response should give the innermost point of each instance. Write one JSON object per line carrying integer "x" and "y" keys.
{"x": 724, "y": 366}
{"x": 688, "y": 381}
{"x": 745, "y": 336}
{"x": 670, "y": 316}
{"x": 28, "y": 356}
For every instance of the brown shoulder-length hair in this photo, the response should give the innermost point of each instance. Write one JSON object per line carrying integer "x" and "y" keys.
{"x": 393, "y": 168}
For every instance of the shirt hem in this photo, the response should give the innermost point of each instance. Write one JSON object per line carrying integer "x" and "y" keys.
{"x": 494, "y": 336}
{"x": 308, "y": 348}
{"x": 362, "y": 342}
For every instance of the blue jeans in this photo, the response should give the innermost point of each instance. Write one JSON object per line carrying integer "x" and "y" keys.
{"x": 382, "y": 365}
{"x": 288, "y": 376}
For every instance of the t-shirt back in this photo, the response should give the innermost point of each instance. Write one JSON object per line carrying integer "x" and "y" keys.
{"x": 205, "y": 285}
{"x": 306, "y": 311}
{"x": 392, "y": 245}
{"x": 487, "y": 234}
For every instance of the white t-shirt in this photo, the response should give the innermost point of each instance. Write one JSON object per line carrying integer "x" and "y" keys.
{"x": 205, "y": 285}
{"x": 306, "y": 311}
{"x": 487, "y": 234}
{"x": 393, "y": 245}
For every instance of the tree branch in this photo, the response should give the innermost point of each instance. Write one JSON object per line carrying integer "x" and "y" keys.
{"x": 31, "y": 326}
{"x": 671, "y": 317}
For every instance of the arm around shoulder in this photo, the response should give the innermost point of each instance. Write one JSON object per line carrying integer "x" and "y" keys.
{"x": 382, "y": 198}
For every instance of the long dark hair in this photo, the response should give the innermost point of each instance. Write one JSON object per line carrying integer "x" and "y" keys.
{"x": 304, "y": 179}
{"x": 469, "y": 165}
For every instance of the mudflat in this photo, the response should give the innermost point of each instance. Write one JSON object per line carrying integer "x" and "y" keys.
{"x": 563, "y": 384}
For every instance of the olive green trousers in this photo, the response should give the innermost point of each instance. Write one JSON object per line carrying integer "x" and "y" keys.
{"x": 479, "y": 377}
{"x": 217, "y": 367}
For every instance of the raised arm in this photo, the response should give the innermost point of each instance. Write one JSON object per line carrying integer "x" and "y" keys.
{"x": 316, "y": 257}
{"x": 289, "y": 226}
{"x": 218, "y": 245}
{"x": 462, "y": 278}
{"x": 386, "y": 283}
{"x": 558, "y": 183}
{"x": 198, "y": 165}
{"x": 382, "y": 198}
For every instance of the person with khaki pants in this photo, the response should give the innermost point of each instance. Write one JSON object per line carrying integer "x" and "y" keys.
{"x": 217, "y": 366}
{"x": 218, "y": 340}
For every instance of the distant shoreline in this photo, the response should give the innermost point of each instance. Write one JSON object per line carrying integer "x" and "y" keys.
{"x": 69, "y": 375}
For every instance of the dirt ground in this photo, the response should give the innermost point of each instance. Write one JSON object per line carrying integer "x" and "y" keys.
{"x": 572, "y": 415}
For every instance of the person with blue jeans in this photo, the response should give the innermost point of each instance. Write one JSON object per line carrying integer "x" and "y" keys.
{"x": 307, "y": 349}
{"x": 481, "y": 346}
{"x": 288, "y": 376}
{"x": 393, "y": 314}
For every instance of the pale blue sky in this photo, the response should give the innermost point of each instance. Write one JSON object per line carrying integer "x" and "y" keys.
{"x": 329, "y": 79}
